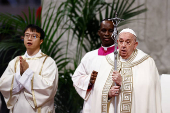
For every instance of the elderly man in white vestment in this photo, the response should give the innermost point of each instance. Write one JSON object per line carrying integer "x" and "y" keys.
{"x": 30, "y": 81}
{"x": 85, "y": 74}
{"x": 138, "y": 86}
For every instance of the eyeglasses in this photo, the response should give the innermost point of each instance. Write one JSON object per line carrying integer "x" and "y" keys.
{"x": 33, "y": 36}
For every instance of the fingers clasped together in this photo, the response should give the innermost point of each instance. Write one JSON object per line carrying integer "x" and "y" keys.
{"x": 23, "y": 65}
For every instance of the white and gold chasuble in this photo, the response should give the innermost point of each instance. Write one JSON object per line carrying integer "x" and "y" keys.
{"x": 44, "y": 84}
{"x": 140, "y": 89}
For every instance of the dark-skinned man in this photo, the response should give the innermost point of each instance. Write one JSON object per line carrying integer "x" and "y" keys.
{"x": 86, "y": 73}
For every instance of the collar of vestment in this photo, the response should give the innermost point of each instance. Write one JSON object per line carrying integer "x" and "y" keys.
{"x": 125, "y": 68}
{"x": 34, "y": 57}
{"x": 103, "y": 51}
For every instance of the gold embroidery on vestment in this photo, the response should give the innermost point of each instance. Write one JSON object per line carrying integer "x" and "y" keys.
{"x": 34, "y": 58}
{"x": 39, "y": 109}
{"x": 105, "y": 91}
{"x": 126, "y": 90}
{"x": 16, "y": 63}
{"x": 43, "y": 64}
{"x": 32, "y": 82}
{"x": 33, "y": 94}
{"x": 127, "y": 82}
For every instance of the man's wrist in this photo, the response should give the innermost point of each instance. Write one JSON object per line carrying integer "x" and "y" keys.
{"x": 90, "y": 86}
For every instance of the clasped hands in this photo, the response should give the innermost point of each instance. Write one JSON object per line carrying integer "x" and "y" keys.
{"x": 23, "y": 65}
{"x": 114, "y": 90}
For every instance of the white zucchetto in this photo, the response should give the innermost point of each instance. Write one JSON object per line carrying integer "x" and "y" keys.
{"x": 128, "y": 30}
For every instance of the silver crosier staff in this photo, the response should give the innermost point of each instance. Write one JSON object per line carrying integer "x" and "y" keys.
{"x": 115, "y": 21}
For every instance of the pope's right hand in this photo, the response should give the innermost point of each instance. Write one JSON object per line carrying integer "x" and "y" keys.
{"x": 114, "y": 91}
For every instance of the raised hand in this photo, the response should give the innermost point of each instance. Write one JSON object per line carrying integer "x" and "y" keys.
{"x": 93, "y": 77}
{"x": 23, "y": 65}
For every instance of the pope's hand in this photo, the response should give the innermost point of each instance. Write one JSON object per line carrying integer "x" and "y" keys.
{"x": 114, "y": 91}
{"x": 117, "y": 78}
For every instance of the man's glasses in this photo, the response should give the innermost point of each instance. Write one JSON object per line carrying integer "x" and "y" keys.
{"x": 32, "y": 36}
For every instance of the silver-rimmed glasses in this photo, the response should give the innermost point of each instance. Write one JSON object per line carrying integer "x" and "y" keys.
{"x": 32, "y": 36}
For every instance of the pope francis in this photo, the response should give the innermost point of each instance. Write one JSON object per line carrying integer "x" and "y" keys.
{"x": 137, "y": 78}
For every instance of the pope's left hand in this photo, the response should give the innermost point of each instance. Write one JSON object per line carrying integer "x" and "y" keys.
{"x": 116, "y": 77}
